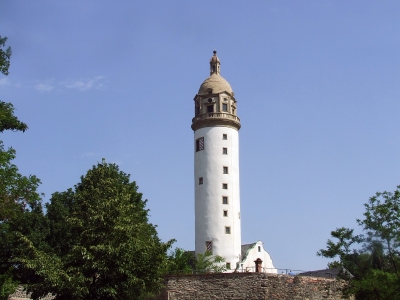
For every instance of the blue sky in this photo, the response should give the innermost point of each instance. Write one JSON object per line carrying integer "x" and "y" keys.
{"x": 317, "y": 84}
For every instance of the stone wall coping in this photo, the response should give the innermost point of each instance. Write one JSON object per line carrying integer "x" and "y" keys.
{"x": 208, "y": 275}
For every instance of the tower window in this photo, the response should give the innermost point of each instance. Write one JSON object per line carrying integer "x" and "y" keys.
{"x": 224, "y": 107}
{"x": 225, "y": 213}
{"x": 239, "y": 214}
{"x": 209, "y": 246}
{"x": 225, "y": 170}
{"x": 225, "y": 186}
{"x": 224, "y": 150}
{"x": 228, "y": 266}
{"x": 201, "y": 180}
{"x": 210, "y": 108}
{"x": 224, "y": 200}
{"x": 224, "y": 136}
{"x": 200, "y": 144}
{"x": 259, "y": 248}
{"x": 227, "y": 230}
{"x": 213, "y": 68}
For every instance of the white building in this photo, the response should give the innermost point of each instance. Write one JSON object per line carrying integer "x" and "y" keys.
{"x": 216, "y": 174}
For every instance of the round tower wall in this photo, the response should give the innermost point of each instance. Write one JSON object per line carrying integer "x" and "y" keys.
{"x": 210, "y": 219}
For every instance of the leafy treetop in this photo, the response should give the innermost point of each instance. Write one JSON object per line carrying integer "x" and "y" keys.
{"x": 7, "y": 119}
{"x": 5, "y": 55}
{"x": 373, "y": 258}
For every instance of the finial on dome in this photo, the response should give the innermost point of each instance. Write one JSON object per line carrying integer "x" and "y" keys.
{"x": 214, "y": 63}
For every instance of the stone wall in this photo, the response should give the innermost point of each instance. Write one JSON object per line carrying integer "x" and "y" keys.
{"x": 250, "y": 286}
{"x": 235, "y": 286}
{"x": 20, "y": 294}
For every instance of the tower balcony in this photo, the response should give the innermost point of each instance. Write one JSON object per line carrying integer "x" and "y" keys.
{"x": 215, "y": 119}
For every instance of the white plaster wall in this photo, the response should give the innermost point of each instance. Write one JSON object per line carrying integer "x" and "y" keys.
{"x": 209, "y": 220}
{"x": 253, "y": 254}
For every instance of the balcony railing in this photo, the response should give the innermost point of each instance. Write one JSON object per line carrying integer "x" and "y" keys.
{"x": 215, "y": 115}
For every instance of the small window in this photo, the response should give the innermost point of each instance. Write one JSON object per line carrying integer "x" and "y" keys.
{"x": 200, "y": 144}
{"x": 239, "y": 214}
{"x": 259, "y": 248}
{"x": 225, "y": 186}
{"x": 225, "y": 213}
{"x": 224, "y": 107}
{"x": 224, "y": 200}
{"x": 227, "y": 230}
{"x": 228, "y": 266}
{"x": 225, "y": 170}
{"x": 201, "y": 180}
{"x": 225, "y": 99}
{"x": 224, "y": 136}
{"x": 209, "y": 246}
{"x": 209, "y": 100}
{"x": 210, "y": 108}
{"x": 197, "y": 110}
{"x": 224, "y": 150}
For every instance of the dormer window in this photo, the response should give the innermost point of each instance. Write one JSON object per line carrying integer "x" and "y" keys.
{"x": 210, "y": 108}
{"x": 224, "y": 107}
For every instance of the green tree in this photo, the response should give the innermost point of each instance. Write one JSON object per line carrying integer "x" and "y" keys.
{"x": 17, "y": 192}
{"x": 208, "y": 263}
{"x": 7, "y": 285}
{"x": 7, "y": 119}
{"x": 180, "y": 261}
{"x": 372, "y": 258}
{"x": 5, "y": 55}
{"x": 19, "y": 199}
{"x": 102, "y": 245}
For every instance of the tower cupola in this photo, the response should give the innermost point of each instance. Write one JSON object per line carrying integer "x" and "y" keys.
{"x": 215, "y": 104}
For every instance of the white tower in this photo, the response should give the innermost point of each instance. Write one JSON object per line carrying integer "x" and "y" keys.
{"x": 216, "y": 168}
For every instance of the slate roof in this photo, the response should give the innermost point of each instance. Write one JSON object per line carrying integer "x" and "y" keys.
{"x": 245, "y": 249}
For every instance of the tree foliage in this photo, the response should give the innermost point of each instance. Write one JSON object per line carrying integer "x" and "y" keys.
{"x": 19, "y": 199}
{"x": 180, "y": 261}
{"x": 100, "y": 243}
{"x": 17, "y": 192}
{"x": 5, "y": 55}
{"x": 373, "y": 258}
{"x": 8, "y": 121}
{"x": 208, "y": 263}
